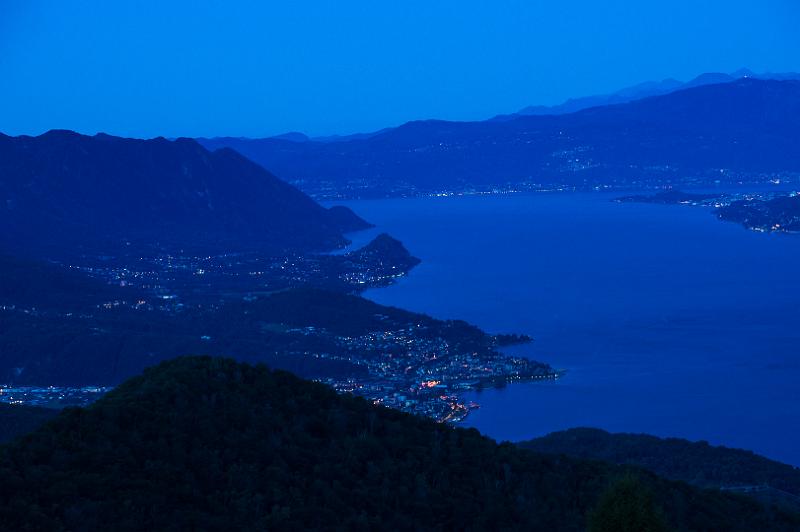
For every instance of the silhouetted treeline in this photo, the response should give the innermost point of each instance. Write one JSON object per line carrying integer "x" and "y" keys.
{"x": 697, "y": 463}
{"x": 212, "y": 444}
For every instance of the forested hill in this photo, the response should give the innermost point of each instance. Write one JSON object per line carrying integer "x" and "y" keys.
{"x": 41, "y": 285}
{"x": 725, "y": 132}
{"x": 203, "y": 443}
{"x": 777, "y": 214}
{"x": 695, "y": 462}
{"x": 117, "y": 343}
{"x": 63, "y": 190}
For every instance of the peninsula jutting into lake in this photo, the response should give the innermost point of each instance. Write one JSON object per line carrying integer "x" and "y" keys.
{"x": 765, "y": 212}
{"x": 262, "y": 297}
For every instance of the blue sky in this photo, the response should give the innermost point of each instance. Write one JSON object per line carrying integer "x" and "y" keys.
{"x": 206, "y": 68}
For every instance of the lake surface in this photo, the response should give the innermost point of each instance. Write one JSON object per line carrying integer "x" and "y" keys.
{"x": 667, "y": 320}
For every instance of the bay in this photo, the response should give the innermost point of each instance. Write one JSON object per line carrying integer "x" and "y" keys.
{"x": 667, "y": 320}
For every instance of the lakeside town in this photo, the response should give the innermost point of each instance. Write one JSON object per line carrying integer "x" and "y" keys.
{"x": 415, "y": 371}
{"x": 51, "y": 396}
{"x": 652, "y": 179}
{"x": 411, "y": 369}
{"x": 391, "y": 357}
{"x": 173, "y": 279}
{"x": 255, "y": 306}
{"x": 762, "y": 212}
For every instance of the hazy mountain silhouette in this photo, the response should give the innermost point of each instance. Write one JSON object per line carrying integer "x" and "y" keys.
{"x": 64, "y": 189}
{"x": 643, "y": 90}
{"x": 707, "y": 133}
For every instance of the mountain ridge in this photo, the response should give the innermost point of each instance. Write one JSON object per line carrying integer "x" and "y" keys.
{"x": 65, "y": 189}
{"x": 728, "y": 132}
{"x": 643, "y": 90}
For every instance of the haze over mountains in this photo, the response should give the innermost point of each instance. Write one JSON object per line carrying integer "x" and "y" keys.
{"x": 627, "y": 94}
{"x": 743, "y": 130}
{"x": 64, "y": 190}
{"x": 643, "y": 90}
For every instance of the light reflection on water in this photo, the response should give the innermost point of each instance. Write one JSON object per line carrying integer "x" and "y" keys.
{"x": 667, "y": 320}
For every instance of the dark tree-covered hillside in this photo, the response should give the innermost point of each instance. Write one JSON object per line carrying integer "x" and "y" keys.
{"x": 694, "y": 462}
{"x": 204, "y": 443}
{"x": 62, "y": 191}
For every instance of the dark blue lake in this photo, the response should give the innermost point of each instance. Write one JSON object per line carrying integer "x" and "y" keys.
{"x": 668, "y": 321}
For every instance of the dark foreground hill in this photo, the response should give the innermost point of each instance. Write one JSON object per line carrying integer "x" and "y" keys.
{"x": 62, "y": 190}
{"x": 211, "y": 444}
{"x": 727, "y": 132}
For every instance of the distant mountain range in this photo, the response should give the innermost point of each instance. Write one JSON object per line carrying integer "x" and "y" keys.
{"x": 724, "y": 132}
{"x": 643, "y": 90}
{"x": 297, "y": 136}
{"x": 69, "y": 191}
{"x": 624, "y": 95}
